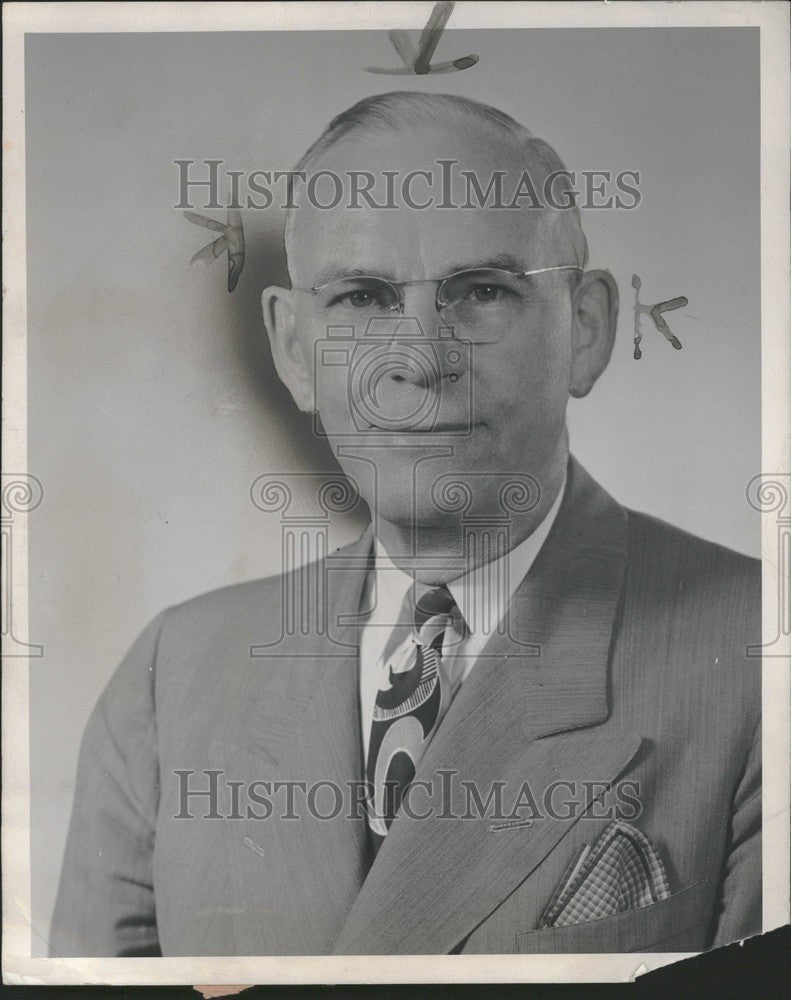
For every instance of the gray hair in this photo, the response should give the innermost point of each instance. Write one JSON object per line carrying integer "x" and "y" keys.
{"x": 402, "y": 108}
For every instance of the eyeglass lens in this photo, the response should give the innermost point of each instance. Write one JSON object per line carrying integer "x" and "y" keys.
{"x": 477, "y": 303}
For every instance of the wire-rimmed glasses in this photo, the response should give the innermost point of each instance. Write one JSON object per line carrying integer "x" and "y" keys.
{"x": 478, "y": 303}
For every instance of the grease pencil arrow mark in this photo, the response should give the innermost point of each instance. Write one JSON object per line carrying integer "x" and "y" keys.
{"x": 655, "y": 312}
{"x": 232, "y": 241}
{"x": 417, "y": 61}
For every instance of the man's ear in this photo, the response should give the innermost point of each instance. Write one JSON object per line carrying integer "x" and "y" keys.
{"x": 595, "y": 307}
{"x": 287, "y": 353}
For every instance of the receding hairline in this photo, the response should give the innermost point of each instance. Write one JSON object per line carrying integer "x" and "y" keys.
{"x": 404, "y": 109}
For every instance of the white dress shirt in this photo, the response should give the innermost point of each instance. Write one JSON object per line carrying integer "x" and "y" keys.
{"x": 482, "y": 597}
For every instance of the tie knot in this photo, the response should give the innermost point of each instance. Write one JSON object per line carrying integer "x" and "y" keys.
{"x": 438, "y": 601}
{"x": 433, "y": 612}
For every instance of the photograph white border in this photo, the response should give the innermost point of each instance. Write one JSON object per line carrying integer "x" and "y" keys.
{"x": 21, "y": 18}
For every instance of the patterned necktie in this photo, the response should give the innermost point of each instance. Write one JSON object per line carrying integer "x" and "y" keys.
{"x": 408, "y": 712}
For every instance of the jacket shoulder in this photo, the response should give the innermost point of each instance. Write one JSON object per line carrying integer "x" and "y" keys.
{"x": 692, "y": 619}
{"x": 668, "y": 546}
{"x": 252, "y": 611}
{"x": 699, "y": 600}
{"x": 230, "y": 604}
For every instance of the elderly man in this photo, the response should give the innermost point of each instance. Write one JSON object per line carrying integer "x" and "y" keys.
{"x": 523, "y": 718}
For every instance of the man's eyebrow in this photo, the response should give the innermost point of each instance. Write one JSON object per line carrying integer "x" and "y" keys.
{"x": 506, "y": 261}
{"x": 334, "y": 271}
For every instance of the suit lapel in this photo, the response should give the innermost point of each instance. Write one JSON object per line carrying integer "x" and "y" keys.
{"x": 299, "y": 722}
{"x": 292, "y": 677}
{"x": 520, "y": 716}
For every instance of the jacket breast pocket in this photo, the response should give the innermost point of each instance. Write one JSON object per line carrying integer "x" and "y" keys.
{"x": 678, "y": 923}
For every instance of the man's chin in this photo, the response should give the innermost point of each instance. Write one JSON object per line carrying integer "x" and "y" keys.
{"x": 410, "y": 535}
{"x": 398, "y": 460}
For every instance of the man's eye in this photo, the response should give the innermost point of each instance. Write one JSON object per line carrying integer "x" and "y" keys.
{"x": 360, "y": 299}
{"x": 487, "y": 293}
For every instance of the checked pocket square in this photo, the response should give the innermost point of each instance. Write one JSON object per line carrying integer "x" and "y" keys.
{"x": 621, "y": 871}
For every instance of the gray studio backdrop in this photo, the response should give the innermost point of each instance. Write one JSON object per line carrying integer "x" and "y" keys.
{"x": 153, "y": 402}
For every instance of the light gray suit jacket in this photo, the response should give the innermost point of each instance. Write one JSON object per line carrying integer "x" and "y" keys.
{"x": 625, "y": 661}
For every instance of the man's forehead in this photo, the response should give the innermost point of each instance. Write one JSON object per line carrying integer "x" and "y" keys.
{"x": 406, "y": 239}
{"x": 405, "y": 244}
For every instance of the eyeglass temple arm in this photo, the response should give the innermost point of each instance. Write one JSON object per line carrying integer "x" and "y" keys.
{"x": 559, "y": 267}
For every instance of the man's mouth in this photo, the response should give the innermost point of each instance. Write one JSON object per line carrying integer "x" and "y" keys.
{"x": 439, "y": 427}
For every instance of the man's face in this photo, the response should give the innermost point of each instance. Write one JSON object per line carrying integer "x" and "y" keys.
{"x": 493, "y": 409}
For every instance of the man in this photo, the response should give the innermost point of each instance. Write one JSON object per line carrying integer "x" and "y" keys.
{"x": 535, "y": 706}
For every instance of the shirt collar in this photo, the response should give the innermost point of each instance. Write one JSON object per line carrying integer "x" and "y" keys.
{"x": 482, "y": 595}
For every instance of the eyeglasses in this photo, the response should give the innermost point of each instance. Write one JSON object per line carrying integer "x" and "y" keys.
{"x": 480, "y": 304}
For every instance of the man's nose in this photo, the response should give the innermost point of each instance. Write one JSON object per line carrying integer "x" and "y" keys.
{"x": 408, "y": 359}
{"x": 417, "y": 348}
{"x": 406, "y": 379}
